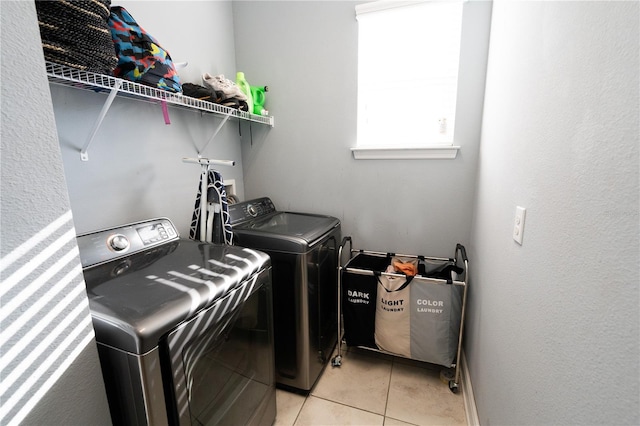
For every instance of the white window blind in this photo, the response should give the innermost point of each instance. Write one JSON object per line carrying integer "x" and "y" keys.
{"x": 408, "y": 56}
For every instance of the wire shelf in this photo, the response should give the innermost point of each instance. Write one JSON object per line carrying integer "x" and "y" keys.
{"x": 79, "y": 79}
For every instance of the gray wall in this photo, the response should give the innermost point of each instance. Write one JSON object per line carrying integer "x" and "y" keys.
{"x": 50, "y": 367}
{"x": 306, "y": 52}
{"x": 135, "y": 169}
{"x": 553, "y": 324}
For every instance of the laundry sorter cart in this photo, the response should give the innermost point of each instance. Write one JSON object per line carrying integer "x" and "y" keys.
{"x": 404, "y": 305}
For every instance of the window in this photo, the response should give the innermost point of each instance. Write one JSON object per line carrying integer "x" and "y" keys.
{"x": 408, "y": 56}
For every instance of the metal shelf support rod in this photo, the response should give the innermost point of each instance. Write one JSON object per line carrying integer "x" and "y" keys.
{"x": 84, "y": 156}
{"x": 215, "y": 132}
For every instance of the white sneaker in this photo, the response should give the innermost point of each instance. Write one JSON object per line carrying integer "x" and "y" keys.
{"x": 224, "y": 85}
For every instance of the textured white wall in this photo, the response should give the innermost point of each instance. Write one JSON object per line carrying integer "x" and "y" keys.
{"x": 50, "y": 371}
{"x": 553, "y": 324}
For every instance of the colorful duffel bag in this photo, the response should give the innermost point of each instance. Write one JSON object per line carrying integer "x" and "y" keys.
{"x": 140, "y": 57}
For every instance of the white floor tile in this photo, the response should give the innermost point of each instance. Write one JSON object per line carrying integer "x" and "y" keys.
{"x": 361, "y": 382}
{"x": 388, "y": 421}
{"x": 317, "y": 411}
{"x": 370, "y": 388}
{"x": 418, "y": 396}
{"x": 288, "y": 406}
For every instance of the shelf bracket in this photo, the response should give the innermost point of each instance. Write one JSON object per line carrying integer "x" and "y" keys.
{"x": 71, "y": 77}
{"x": 84, "y": 155}
{"x": 216, "y": 131}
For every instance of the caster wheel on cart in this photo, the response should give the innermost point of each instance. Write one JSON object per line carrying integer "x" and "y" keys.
{"x": 336, "y": 361}
{"x": 453, "y": 386}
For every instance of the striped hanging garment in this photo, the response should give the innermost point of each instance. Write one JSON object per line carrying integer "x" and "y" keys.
{"x": 215, "y": 226}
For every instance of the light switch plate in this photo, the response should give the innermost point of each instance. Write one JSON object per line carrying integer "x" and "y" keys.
{"x": 518, "y": 224}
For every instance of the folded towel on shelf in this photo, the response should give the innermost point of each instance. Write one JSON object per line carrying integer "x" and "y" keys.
{"x": 76, "y": 34}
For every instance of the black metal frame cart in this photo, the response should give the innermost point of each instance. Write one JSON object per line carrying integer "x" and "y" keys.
{"x": 404, "y": 305}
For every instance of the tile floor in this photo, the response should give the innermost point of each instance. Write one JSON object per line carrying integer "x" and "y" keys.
{"x": 374, "y": 389}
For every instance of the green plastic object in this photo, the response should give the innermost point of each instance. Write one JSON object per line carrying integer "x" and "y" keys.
{"x": 242, "y": 83}
{"x": 257, "y": 93}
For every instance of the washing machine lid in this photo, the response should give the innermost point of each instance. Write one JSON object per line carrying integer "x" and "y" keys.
{"x": 285, "y": 231}
{"x": 137, "y": 299}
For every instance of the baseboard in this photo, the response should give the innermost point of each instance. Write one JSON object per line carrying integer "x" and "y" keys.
{"x": 467, "y": 394}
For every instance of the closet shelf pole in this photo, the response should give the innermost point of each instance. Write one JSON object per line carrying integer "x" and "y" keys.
{"x": 84, "y": 155}
{"x": 209, "y": 161}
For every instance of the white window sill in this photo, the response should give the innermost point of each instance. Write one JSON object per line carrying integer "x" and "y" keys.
{"x": 434, "y": 152}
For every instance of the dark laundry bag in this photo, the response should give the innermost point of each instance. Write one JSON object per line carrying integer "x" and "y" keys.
{"x": 359, "y": 294}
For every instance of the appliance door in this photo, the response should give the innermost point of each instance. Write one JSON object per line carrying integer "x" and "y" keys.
{"x": 323, "y": 296}
{"x": 305, "y": 308}
{"x": 222, "y": 360}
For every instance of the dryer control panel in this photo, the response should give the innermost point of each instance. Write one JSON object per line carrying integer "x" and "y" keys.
{"x": 110, "y": 244}
{"x": 251, "y": 209}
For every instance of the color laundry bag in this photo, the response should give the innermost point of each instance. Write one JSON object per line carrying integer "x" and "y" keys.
{"x": 436, "y": 310}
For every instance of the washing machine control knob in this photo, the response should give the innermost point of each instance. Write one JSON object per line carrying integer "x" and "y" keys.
{"x": 252, "y": 210}
{"x": 118, "y": 242}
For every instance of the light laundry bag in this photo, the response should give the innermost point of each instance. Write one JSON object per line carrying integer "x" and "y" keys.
{"x": 392, "y": 326}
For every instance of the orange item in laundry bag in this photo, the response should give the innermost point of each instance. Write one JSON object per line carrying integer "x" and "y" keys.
{"x": 406, "y": 268}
